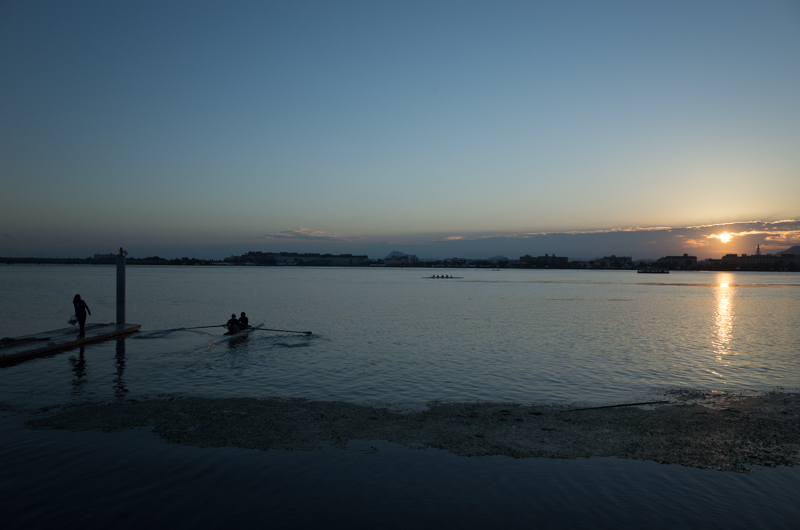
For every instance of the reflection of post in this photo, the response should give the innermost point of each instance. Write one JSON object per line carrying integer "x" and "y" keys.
{"x": 121, "y": 286}
{"x": 119, "y": 382}
{"x": 79, "y": 369}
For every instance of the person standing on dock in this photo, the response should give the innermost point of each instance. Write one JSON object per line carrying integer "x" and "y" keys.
{"x": 80, "y": 311}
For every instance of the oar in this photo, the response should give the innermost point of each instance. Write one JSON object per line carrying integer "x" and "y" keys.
{"x": 283, "y": 330}
{"x": 197, "y": 327}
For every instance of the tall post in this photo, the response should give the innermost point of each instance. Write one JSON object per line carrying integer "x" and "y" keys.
{"x": 121, "y": 286}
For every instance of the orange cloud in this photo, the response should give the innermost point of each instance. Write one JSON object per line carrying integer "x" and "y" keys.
{"x": 790, "y": 237}
{"x": 783, "y": 236}
{"x": 696, "y": 243}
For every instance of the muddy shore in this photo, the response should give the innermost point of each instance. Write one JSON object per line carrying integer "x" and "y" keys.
{"x": 698, "y": 429}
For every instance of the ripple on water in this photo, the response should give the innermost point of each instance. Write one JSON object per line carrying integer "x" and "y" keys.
{"x": 390, "y": 335}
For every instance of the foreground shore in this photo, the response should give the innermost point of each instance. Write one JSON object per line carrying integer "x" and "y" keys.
{"x": 697, "y": 429}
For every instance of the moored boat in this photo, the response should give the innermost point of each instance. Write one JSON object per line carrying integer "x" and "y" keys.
{"x": 653, "y": 270}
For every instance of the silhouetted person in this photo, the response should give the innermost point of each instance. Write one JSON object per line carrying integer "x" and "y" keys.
{"x": 232, "y": 325}
{"x": 80, "y": 312}
{"x": 243, "y": 321}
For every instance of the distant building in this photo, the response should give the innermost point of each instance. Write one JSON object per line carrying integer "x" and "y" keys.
{"x": 498, "y": 260}
{"x": 399, "y": 261}
{"x": 294, "y": 258}
{"x": 761, "y": 260}
{"x": 677, "y": 262}
{"x": 553, "y": 262}
{"x": 104, "y": 258}
{"x": 615, "y": 261}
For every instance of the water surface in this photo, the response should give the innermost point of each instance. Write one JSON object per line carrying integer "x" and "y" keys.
{"x": 393, "y": 335}
{"x": 388, "y": 336}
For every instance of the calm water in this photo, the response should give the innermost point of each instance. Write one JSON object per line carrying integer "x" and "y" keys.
{"x": 390, "y": 335}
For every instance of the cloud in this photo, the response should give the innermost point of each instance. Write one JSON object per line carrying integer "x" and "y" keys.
{"x": 786, "y": 231}
{"x": 636, "y": 241}
{"x": 532, "y": 235}
{"x": 772, "y": 231}
{"x": 306, "y": 234}
{"x": 789, "y": 237}
{"x": 7, "y": 234}
{"x": 695, "y": 243}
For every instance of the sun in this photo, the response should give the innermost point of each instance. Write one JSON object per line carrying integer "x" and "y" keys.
{"x": 725, "y": 237}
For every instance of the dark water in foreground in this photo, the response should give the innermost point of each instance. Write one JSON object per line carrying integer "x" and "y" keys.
{"x": 390, "y": 336}
{"x": 135, "y": 480}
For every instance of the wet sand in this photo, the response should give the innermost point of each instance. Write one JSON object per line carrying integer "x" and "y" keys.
{"x": 726, "y": 432}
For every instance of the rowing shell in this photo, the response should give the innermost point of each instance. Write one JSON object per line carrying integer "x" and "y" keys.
{"x": 237, "y": 335}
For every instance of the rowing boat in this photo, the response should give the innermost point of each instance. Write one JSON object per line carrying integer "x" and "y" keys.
{"x": 237, "y": 335}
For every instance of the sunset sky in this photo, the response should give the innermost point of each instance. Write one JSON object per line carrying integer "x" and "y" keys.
{"x": 441, "y": 128}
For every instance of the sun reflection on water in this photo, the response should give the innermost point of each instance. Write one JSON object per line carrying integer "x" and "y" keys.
{"x": 723, "y": 322}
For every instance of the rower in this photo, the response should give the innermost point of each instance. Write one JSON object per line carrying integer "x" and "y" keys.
{"x": 232, "y": 325}
{"x": 243, "y": 321}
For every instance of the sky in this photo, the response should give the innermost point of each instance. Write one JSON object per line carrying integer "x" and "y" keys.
{"x": 441, "y": 128}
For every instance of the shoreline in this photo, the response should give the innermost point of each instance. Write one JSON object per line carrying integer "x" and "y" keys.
{"x": 210, "y": 263}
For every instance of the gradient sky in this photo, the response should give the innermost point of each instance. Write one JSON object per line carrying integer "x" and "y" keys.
{"x": 213, "y": 128}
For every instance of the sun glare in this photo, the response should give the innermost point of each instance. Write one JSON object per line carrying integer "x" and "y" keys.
{"x": 724, "y": 236}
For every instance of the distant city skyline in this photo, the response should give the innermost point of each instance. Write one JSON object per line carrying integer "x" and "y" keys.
{"x": 441, "y": 129}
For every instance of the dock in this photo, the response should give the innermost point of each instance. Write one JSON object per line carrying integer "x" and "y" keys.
{"x": 13, "y": 350}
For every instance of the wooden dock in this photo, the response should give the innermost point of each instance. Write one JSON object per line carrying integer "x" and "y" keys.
{"x": 29, "y": 346}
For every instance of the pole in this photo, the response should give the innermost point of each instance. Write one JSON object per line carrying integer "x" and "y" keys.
{"x": 121, "y": 286}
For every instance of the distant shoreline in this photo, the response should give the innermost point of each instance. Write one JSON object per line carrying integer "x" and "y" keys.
{"x": 430, "y": 265}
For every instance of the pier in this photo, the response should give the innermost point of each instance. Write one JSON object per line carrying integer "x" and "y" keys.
{"x": 14, "y": 350}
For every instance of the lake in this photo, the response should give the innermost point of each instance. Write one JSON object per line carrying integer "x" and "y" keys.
{"x": 392, "y": 335}
{"x": 389, "y": 337}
